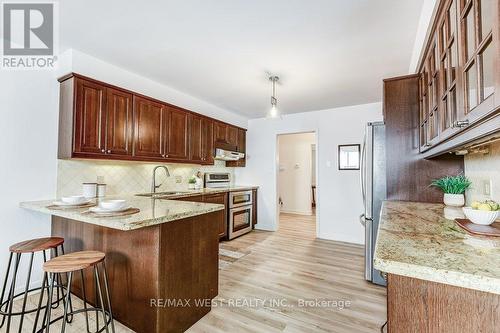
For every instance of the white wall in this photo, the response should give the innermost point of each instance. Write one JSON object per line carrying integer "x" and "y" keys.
{"x": 295, "y": 172}
{"x": 29, "y": 113}
{"x": 29, "y": 109}
{"x": 339, "y": 201}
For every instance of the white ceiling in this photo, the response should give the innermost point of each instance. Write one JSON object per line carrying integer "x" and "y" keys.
{"x": 328, "y": 53}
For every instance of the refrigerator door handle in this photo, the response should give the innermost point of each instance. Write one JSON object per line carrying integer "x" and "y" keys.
{"x": 362, "y": 171}
{"x": 368, "y": 250}
{"x": 362, "y": 219}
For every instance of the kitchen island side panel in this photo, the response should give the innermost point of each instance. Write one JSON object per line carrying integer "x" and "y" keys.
{"x": 150, "y": 265}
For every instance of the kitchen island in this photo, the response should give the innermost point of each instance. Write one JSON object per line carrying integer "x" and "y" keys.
{"x": 162, "y": 262}
{"x": 439, "y": 278}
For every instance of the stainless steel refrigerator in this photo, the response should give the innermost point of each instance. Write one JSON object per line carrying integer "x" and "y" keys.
{"x": 374, "y": 191}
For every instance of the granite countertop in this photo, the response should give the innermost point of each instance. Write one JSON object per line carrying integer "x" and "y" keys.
{"x": 416, "y": 240}
{"x": 190, "y": 193}
{"x": 153, "y": 212}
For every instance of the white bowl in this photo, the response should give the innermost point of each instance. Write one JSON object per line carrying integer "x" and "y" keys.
{"x": 74, "y": 199}
{"x": 113, "y": 204}
{"x": 483, "y": 217}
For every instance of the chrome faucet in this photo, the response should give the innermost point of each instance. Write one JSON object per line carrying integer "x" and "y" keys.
{"x": 153, "y": 184}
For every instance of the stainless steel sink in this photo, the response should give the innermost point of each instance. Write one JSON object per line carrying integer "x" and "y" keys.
{"x": 162, "y": 194}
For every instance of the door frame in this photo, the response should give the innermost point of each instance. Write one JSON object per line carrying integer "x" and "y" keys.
{"x": 276, "y": 175}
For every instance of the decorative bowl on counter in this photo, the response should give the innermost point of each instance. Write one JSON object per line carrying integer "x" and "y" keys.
{"x": 74, "y": 199}
{"x": 113, "y": 205}
{"x": 483, "y": 217}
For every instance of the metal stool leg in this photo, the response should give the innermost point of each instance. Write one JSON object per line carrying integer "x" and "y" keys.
{"x": 108, "y": 298}
{"x": 26, "y": 293}
{"x": 49, "y": 302}
{"x": 3, "y": 290}
{"x": 70, "y": 317}
{"x": 96, "y": 272}
{"x": 85, "y": 301}
{"x": 66, "y": 303}
{"x": 96, "y": 303}
{"x": 40, "y": 301}
{"x": 58, "y": 284}
{"x": 12, "y": 290}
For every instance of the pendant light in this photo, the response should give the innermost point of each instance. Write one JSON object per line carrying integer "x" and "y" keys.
{"x": 273, "y": 112}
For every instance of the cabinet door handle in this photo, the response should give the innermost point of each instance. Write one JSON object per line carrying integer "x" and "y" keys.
{"x": 109, "y": 151}
{"x": 103, "y": 150}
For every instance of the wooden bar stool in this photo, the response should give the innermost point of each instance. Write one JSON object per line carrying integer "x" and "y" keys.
{"x": 31, "y": 246}
{"x": 69, "y": 264}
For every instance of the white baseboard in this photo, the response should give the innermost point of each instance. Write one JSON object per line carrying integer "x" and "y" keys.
{"x": 264, "y": 227}
{"x": 298, "y": 212}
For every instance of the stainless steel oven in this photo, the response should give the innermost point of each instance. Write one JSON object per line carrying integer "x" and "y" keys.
{"x": 240, "y": 213}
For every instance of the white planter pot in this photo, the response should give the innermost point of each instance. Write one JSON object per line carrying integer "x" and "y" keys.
{"x": 454, "y": 200}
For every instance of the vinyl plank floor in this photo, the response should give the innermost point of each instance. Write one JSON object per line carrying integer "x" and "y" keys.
{"x": 278, "y": 286}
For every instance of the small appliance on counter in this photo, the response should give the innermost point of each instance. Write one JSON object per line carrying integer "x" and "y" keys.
{"x": 240, "y": 204}
{"x": 217, "y": 180}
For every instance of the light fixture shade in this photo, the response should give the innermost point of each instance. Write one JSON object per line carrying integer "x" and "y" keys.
{"x": 273, "y": 112}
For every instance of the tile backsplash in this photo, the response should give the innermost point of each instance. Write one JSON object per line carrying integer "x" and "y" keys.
{"x": 126, "y": 177}
{"x": 481, "y": 168}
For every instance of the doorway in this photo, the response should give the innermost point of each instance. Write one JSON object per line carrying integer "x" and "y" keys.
{"x": 297, "y": 178}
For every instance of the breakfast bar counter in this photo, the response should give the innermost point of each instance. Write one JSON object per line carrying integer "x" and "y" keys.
{"x": 165, "y": 253}
{"x": 449, "y": 278}
{"x": 153, "y": 211}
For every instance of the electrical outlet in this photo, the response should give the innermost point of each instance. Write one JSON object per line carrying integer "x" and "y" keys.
{"x": 487, "y": 187}
{"x": 178, "y": 179}
{"x": 100, "y": 179}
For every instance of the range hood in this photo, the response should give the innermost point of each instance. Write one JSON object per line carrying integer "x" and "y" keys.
{"x": 227, "y": 155}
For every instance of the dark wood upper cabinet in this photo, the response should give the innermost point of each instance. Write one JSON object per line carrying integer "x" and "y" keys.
{"x": 177, "y": 145}
{"x": 150, "y": 126}
{"x": 118, "y": 122}
{"x": 101, "y": 121}
{"x": 89, "y": 131}
{"x": 195, "y": 139}
{"x": 207, "y": 140}
{"x": 232, "y": 136}
{"x": 221, "y": 133}
{"x": 241, "y": 147}
{"x": 460, "y": 75}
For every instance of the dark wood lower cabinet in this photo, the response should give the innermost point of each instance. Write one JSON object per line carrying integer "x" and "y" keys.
{"x": 149, "y": 266}
{"x": 254, "y": 208}
{"x": 221, "y": 217}
{"x": 415, "y": 305}
{"x": 220, "y": 199}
